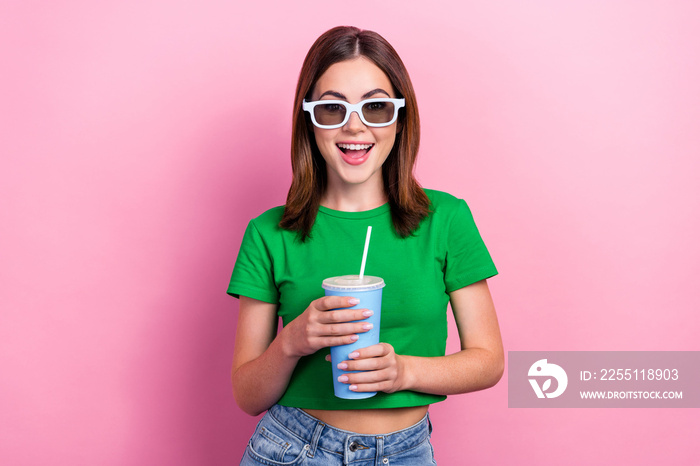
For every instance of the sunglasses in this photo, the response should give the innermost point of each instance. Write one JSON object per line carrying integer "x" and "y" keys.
{"x": 331, "y": 114}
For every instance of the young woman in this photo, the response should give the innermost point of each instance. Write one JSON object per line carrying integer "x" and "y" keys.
{"x": 354, "y": 144}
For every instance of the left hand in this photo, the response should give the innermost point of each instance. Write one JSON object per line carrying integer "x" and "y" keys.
{"x": 384, "y": 370}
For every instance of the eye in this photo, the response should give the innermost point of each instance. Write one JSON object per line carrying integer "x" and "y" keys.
{"x": 332, "y": 108}
{"x": 376, "y": 106}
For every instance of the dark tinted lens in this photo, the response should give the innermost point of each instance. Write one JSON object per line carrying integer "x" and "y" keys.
{"x": 329, "y": 114}
{"x": 378, "y": 112}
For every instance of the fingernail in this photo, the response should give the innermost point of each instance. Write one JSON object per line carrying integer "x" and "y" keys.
{"x": 353, "y": 301}
{"x": 342, "y": 365}
{"x": 368, "y": 313}
{"x": 354, "y": 337}
{"x": 353, "y": 387}
{"x": 354, "y": 355}
{"x": 343, "y": 378}
{"x": 367, "y": 326}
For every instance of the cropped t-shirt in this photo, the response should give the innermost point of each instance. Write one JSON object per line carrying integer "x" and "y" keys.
{"x": 444, "y": 254}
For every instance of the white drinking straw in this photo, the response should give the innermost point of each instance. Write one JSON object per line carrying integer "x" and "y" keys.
{"x": 364, "y": 254}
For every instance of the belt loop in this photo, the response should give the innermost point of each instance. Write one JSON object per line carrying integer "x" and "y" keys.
{"x": 379, "y": 450}
{"x": 315, "y": 438}
{"x": 430, "y": 425}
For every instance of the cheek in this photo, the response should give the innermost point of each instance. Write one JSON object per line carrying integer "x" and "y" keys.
{"x": 317, "y": 137}
{"x": 323, "y": 137}
{"x": 325, "y": 142}
{"x": 388, "y": 138}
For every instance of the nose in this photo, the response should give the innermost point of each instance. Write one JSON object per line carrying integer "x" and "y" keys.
{"x": 354, "y": 124}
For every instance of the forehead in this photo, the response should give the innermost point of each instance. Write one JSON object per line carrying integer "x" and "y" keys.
{"x": 353, "y": 78}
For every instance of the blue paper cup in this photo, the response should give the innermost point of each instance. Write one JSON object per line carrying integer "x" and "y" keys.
{"x": 369, "y": 292}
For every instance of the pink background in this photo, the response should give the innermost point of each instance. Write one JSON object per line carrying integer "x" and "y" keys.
{"x": 139, "y": 137}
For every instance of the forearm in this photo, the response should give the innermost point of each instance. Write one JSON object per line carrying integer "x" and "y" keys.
{"x": 466, "y": 371}
{"x": 478, "y": 366}
{"x": 480, "y": 363}
{"x": 260, "y": 383}
{"x": 263, "y": 361}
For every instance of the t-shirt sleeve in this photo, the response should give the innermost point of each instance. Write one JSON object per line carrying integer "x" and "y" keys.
{"x": 253, "y": 274}
{"x": 467, "y": 260}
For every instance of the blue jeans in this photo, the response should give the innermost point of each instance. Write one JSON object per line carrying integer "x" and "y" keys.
{"x": 290, "y": 436}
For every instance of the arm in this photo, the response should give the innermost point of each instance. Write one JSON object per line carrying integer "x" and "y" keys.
{"x": 477, "y": 366}
{"x": 255, "y": 333}
{"x": 263, "y": 363}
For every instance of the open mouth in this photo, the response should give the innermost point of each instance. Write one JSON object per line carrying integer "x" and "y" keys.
{"x": 355, "y": 151}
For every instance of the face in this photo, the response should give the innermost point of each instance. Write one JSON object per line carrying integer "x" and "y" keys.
{"x": 359, "y": 165}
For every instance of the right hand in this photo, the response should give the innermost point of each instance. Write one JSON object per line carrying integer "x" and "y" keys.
{"x": 319, "y": 327}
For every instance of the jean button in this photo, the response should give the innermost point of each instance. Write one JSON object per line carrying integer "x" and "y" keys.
{"x": 353, "y": 446}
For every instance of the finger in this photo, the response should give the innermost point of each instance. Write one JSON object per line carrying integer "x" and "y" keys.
{"x": 342, "y": 329}
{"x": 345, "y": 315}
{"x": 334, "y": 302}
{"x": 373, "y": 381}
{"x": 353, "y": 378}
{"x": 371, "y": 364}
{"x": 363, "y": 378}
{"x": 369, "y": 387}
{"x": 374, "y": 351}
{"x": 325, "y": 342}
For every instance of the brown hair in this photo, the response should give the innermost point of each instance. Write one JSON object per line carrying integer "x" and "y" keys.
{"x": 409, "y": 203}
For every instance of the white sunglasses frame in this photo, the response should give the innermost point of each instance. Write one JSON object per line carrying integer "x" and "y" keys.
{"x": 350, "y": 108}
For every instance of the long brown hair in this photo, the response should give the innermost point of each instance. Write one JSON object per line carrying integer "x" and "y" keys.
{"x": 409, "y": 203}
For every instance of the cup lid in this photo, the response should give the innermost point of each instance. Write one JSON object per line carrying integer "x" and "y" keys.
{"x": 353, "y": 283}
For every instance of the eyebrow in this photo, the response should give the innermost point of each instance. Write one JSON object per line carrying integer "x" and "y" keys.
{"x": 365, "y": 96}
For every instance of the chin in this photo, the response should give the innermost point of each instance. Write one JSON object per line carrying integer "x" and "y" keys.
{"x": 355, "y": 178}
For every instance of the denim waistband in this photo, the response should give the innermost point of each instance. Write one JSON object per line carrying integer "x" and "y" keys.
{"x": 320, "y": 435}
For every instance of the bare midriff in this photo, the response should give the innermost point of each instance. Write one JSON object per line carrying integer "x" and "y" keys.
{"x": 371, "y": 421}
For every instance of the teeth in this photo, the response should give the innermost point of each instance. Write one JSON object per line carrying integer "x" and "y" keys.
{"x": 355, "y": 146}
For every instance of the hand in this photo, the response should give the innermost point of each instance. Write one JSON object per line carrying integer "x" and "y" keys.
{"x": 320, "y": 327}
{"x": 385, "y": 370}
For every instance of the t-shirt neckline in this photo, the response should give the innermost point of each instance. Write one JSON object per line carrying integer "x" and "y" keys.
{"x": 382, "y": 209}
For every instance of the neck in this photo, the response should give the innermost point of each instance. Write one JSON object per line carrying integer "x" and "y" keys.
{"x": 354, "y": 198}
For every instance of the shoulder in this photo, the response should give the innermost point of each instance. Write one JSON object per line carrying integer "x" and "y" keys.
{"x": 447, "y": 210}
{"x": 268, "y": 220}
{"x": 442, "y": 202}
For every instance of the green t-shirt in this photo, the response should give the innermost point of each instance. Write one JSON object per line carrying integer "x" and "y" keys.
{"x": 444, "y": 254}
